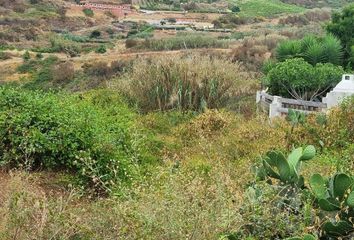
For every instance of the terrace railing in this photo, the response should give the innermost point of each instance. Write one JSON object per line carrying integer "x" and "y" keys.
{"x": 278, "y": 106}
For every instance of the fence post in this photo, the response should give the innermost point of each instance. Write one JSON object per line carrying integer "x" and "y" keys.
{"x": 273, "y": 107}
{"x": 258, "y": 96}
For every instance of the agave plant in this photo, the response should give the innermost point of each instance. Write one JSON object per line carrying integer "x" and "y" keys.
{"x": 288, "y": 49}
{"x": 315, "y": 53}
{"x": 335, "y": 196}
{"x": 287, "y": 170}
{"x": 312, "y": 49}
{"x": 333, "y": 50}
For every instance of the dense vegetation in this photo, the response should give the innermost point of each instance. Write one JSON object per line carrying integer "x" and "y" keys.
{"x": 79, "y": 133}
{"x": 115, "y": 129}
{"x": 296, "y": 77}
{"x": 183, "y": 41}
{"x": 341, "y": 26}
{"x": 186, "y": 83}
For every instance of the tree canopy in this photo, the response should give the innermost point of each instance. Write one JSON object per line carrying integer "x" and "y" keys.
{"x": 298, "y": 79}
{"x": 342, "y": 26}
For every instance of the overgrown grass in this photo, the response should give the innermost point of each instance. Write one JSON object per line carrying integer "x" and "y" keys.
{"x": 191, "y": 82}
{"x": 199, "y": 191}
{"x": 189, "y": 41}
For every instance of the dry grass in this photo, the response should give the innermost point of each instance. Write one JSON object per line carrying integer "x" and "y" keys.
{"x": 255, "y": 50}
{"x": 197, "y": 192}
{"x": 189, "y": 82}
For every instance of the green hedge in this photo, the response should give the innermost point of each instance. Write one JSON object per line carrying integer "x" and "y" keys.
{"x": 86, "y": 134}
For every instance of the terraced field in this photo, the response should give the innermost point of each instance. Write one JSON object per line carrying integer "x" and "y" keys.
{"x": 267, "y": 8}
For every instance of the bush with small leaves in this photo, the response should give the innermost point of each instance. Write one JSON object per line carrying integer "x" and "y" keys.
{"x": 26, "y": 56}
{"x": 101, "y": 49}
{"x": 88, "y": 12}
{"x": 295, "y": 78}
{"x": 78, "y": 133}
{"x": 95, "y": 34}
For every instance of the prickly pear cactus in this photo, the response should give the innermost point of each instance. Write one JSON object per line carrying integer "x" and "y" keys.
{"x": 335, "y": 196}
{"x": 287, "y": 169}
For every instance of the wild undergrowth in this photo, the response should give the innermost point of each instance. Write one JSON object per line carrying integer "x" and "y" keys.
{"x": 78, "y": 133}
{"x": 190, "y": 82}
{"x": 199, "y": 190}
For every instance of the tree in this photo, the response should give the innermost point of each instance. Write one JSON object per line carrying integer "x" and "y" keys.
{"x": 298, "y": 79}
{"x": 342, "y": 27}
{"x": 235, "y": 9}
{"x": 95, "y": 34}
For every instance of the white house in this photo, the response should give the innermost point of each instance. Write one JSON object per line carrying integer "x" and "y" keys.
{"x": 278, "y": 106}
{"x": 344, "y": 88}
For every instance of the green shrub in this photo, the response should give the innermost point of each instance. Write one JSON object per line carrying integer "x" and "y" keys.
{"x": 141, "y": 31}
{"x": 95, "y": 34}
{"x": 75, "y": 38}
{"x": 39, "y": 56}
{"x": 88, "y": 12}
{"x": 27, "y": 67}
{"x": 342, "y": 26}
{"x": 101, "y": 49}
{"x": 26, "y": 56}
{"x": 235, "y": 9}
{"x": 41, "y": 71}
{"x": 61, "y": 44}
{"x": 295, "y": 78}
{"x": 182, "y": 42}
{"x": 45, "y": 130}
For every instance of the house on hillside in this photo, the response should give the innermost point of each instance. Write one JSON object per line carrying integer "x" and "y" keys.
{"x": 278, "y": 106}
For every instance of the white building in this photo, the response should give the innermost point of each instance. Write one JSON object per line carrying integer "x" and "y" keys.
{"x": 344, "y": 88}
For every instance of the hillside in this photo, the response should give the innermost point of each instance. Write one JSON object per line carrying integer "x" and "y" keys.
{"x": 267, "y": 8}
{"x": 140, "y": 121}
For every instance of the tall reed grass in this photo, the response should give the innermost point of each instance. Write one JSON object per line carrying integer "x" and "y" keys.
{"x": 190, "y": 82}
